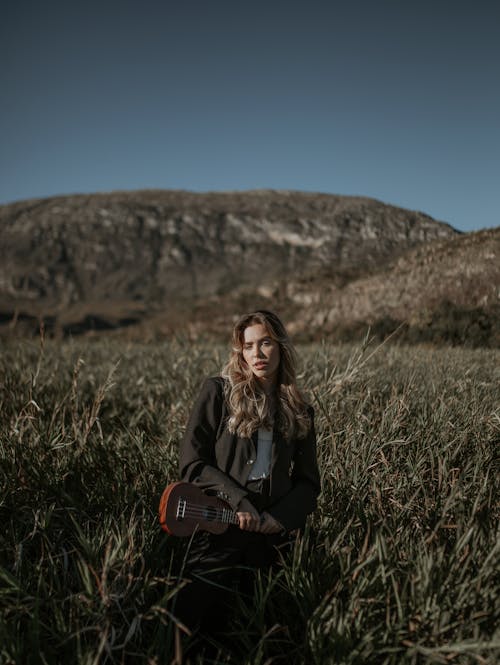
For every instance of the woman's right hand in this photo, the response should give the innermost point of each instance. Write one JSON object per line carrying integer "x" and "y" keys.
{"x": 249, "y": 518}
{"x": 269, "y": 525}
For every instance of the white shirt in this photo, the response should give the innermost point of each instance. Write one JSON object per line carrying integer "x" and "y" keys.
{"x": 262, "y": 465}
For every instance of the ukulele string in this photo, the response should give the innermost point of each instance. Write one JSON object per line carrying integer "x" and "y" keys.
{"x": 200, "y": 512}
{"x": 200, "y": 516}
{"x": 197, "y": 511}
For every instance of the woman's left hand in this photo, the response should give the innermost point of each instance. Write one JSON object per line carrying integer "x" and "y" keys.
{"x": 269, "y": 525}
{"x": 248, "y": 516}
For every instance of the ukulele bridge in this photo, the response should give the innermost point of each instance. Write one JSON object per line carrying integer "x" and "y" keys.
{"x": 181, "y": 509}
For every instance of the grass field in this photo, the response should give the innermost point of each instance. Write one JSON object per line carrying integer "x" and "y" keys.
{"x": 400, "y": 564}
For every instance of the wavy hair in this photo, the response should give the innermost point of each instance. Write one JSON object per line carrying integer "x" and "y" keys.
{"x": 249, "y": 406}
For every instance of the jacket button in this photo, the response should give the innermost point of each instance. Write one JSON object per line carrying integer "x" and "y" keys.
{"x": 250, "y": 461}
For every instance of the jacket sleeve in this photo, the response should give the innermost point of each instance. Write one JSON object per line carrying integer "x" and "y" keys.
{"x": 197, "y": 462}
{"x": 292, "y": 509}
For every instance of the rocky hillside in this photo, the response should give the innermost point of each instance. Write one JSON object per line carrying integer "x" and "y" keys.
{"x": 443, "y": 291}
{"x": 170, "y": 259}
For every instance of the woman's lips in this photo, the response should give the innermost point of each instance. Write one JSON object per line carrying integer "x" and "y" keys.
{"x": 260, "y": 365}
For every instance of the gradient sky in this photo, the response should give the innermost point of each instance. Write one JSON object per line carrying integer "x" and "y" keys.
{"x": 395, "y": 100}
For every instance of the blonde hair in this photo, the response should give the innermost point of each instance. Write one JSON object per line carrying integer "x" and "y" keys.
{"x": 249, "y": 406}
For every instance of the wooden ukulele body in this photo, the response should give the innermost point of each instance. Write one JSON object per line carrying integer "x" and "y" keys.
{"x": 184, "y": 508}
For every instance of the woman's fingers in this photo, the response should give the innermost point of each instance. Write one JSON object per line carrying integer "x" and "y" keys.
{"x": 248, "y": 516}
{"x": 249, "y": 521}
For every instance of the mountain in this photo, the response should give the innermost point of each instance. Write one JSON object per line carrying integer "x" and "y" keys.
{"x": 170, "y": 260}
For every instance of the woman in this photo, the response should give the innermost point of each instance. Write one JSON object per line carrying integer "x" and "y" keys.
{"x": 251, "y": 441}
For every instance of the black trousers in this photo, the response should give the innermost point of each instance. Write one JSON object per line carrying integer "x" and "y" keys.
{"x": 220, "y": 567}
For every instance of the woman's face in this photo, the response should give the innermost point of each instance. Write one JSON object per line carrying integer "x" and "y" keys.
{"x": 261, "y": 353}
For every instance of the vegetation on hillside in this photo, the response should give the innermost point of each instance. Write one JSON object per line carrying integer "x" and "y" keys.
{"x": 399, "y": 563}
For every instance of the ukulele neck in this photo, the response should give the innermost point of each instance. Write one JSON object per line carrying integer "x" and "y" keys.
{"x": 227, "y": 516}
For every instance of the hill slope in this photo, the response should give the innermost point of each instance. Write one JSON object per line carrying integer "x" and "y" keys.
{"x": 172, "y": 258}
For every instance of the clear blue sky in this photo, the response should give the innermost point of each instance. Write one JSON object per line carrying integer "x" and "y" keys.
{"x": 395, "y": 100}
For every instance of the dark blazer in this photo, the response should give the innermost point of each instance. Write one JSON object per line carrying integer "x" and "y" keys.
{"x": 217, "y": 460}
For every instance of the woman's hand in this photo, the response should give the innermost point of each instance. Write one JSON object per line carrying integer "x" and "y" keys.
{"x": 269, "y": 525}
{"x": 248, "y": 516}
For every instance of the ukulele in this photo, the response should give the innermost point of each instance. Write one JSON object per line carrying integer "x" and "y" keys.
{"x": 184, "y": 509}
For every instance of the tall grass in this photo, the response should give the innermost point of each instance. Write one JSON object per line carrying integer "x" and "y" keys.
{"x": 398, "y": 565}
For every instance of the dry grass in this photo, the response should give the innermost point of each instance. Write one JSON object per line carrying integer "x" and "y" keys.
{"x": 400, "y": 564}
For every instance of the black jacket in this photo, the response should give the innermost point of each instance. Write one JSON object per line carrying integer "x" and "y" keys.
{"x": 217, "y": 460}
